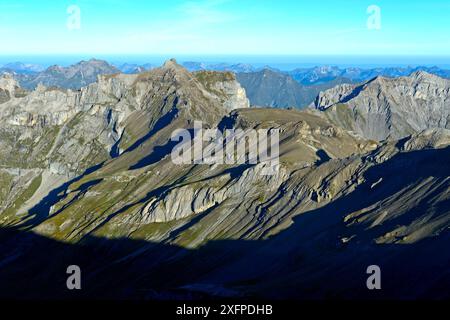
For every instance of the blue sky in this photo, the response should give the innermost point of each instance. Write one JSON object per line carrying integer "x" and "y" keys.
{"x": 266, "y": 27}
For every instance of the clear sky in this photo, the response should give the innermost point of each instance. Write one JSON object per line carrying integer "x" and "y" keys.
{"x": 267, "y": 27}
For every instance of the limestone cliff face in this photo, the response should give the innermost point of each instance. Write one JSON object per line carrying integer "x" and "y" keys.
{"x": 65, "y": 132}
{"x": 7, "y": 83}
{"x": 189, "y": 200}
{"x": 9, "y": 88}
{"x": 332, "y": 96}
{"x": 226, "y": 87}
{"x": 102, "y": 110}
{"x": 389, "y": 108}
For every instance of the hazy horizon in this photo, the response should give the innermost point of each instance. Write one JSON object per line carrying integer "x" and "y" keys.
{"x": 285, "y": 34}
{"x": 282, "y": 62}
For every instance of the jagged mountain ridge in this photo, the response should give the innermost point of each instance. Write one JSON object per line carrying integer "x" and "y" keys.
{"x": 389, "y": 108}
{"x": 73, "y": 77}
{"x": 265, "y": 86}
{"x": 21, "y": 68}
{"x": 321, "y": 74}
{"x": 236, "y": 68}
{"x": 53, "y": 135}
{"x": 130, "y": 68}
{"x": 337, "y": 198}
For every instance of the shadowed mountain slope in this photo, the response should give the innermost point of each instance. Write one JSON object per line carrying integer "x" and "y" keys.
{"x": 269, "y": 88}
{"x": 324, "y": 254}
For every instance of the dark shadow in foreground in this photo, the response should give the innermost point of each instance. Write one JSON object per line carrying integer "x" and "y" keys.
{"x": 34, "y": 267}
{"x": 306, "y": 261}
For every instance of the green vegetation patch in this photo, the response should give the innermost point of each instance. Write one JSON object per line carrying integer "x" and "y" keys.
{"x": 24, "y": 196}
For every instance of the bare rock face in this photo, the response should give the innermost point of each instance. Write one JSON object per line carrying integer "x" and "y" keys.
{"x": 428, "y": 139}
{"x": 389, "y": 108}
{"x": 9, "y": 88}
{"x": 101, "y": 111}
{"x": 8, "y": 83}
{"x": 190, "y": 200}
{"x": 226, "y": 87}
{"x": 332, "y": 96}
{"x": 65, "y": 132}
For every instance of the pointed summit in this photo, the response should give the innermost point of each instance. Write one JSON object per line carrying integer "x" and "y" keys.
{"x": 421, "y": 74}
{"x": 171, "y": 63}
{"x": 173, "y": 69}
{"x": 419, "y": 101}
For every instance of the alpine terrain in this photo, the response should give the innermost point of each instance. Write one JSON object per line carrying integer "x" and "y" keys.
{"x": 87, "y": 178}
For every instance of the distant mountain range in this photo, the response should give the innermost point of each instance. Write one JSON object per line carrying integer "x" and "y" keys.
{"x": 19, "y": 67}
{"x": 308, "y": 76}
{"x": 275, "y": 89}
{"x": 236, "y": 68}
{"x": 270, "y": 87}
{"x": 266, "y": 86}
{"x": 131, "y": 68}
{"x": 322, "y": 74}
{"x": 73, "y": 77}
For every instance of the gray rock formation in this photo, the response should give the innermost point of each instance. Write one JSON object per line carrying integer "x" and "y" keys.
{"x": 224, "y": 84}
{"x": 9, "y": 88}
{"x": 65, "y": 132}
{"x": 389, "y": 108}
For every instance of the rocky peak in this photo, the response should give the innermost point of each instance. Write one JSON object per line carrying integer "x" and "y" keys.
{"x": 332, "y": 96}
{"x": 389, "y": 107}
{"x": 172, "y": 69}
{"x": 8, "y": 83}
{"x": 93, "y": 61}
{"x": 110, "y": 115}
{"x": 435, "y": 138}
{"x": 171, "y": 63}
{"x": 9, "y": 88}
{"x": 423, "y": 75}
{"x": 55, "y": 68}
